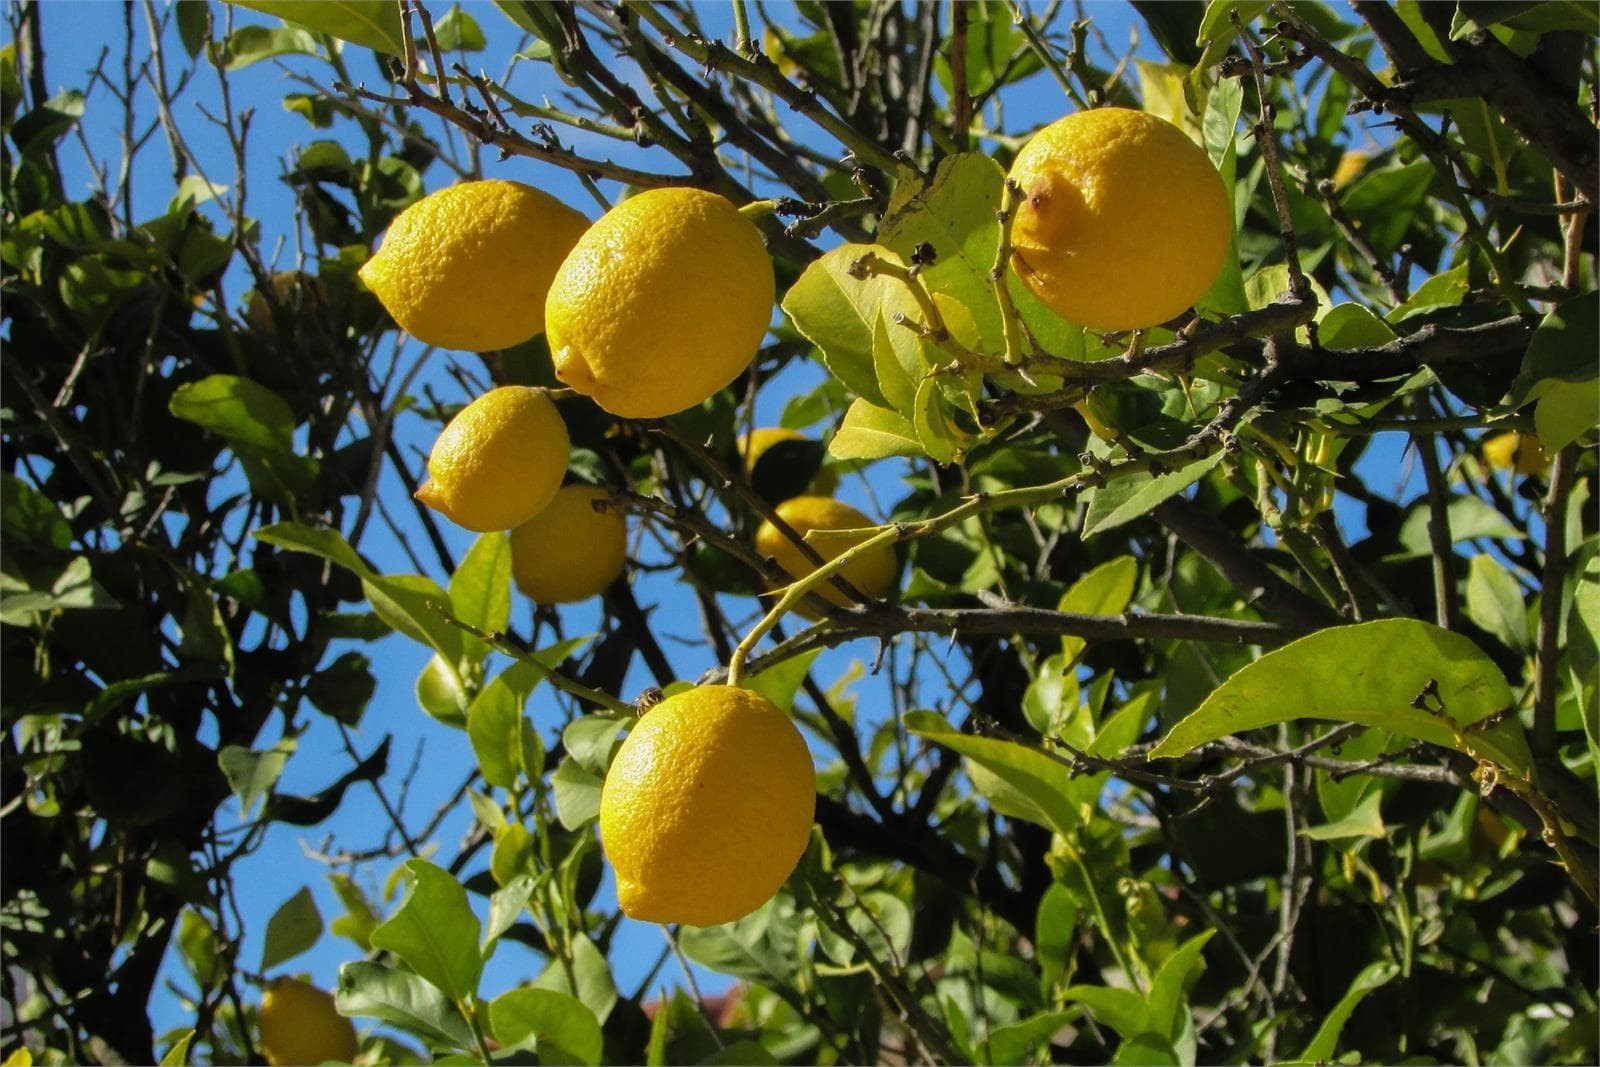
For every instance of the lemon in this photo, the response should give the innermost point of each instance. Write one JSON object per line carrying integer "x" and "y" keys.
{"x": 499, "y": 461}
{"x": 569, "y": 551}
{"x": 754, "y": 445}
{"x": 873, "y": 573}
{"x": 300, "y": 1025}
{"x": 468, "y": 267}
{"x": 1124, "y": 222}
{"x": 1521, "y": 452}
{"x": 707, "y": 807}
{"x": 662, "y": 302}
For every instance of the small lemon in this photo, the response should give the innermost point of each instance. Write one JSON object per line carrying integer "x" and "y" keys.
{"x": 1124, "y": 222}
{"x": 662, "y": 302}
{"x": 300, "y": 1025}
{"x": 707, "y": 807}
{"x": 499, "y": 461}
{"x": 873, "y": 573}
{"x": 468, "y": 267}
{"x": 754, "y": 445}
{"x": 1521, "y": 452}
{"x": 569, "y": 551}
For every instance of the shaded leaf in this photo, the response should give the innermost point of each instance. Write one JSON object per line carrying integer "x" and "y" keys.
{"x": 294, "y": 928}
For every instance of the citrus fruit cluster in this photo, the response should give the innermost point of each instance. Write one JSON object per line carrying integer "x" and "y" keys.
{"x": 485, "y": 265}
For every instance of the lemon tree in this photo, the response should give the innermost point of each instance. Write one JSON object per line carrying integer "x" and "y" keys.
{"x": 963, "y": 533}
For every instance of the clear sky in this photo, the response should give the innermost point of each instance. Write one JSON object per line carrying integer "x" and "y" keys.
{"x": 75, "y": 35}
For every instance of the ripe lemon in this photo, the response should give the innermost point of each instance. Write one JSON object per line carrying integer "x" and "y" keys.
{"x": 754, "y": 445}
{"x": 1124, "y": 222}
{"x": 499, "y": 461}
{"x": 1521, "y": 452}
{"x": 873, "y": 572}
{"x": 661, "y": 303}
{"x": 707, "y": 807}
{"x": 300, "y": 1025}
{"x": 468, "y": 267}
{"x": 569, "y": 551}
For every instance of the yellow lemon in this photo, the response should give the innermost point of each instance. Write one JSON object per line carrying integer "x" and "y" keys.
{"x": 499, "y": 461}
{"x": 707, "y": 807}
{"x": 1124, "y": 223}
{"x": 873, "y": 573}
{"x": 468, "y": 267}
{"x": 300, "y": 1025}
{"x": 754, "y": 445}
{"x": 661, "y": 303}
{"x": 569, "y": 551}
{"x": 1521, "y": 452}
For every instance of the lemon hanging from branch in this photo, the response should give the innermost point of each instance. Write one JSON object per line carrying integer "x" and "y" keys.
{"x": 1124, "y": 223}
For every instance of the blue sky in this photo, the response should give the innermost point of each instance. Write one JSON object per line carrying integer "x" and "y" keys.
{"x": 75, "y": 34}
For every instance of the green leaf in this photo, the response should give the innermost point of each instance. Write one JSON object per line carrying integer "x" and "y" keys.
{"x": 178, "y": 1054}
{"x": 1368, "y": 673}
{"x": 246, "y": 413}
{"x": 411, "y": 603}
{"x": 251, "y": 775}
{"x": 401, "y": 999}
{"x": 940, "y": 437}
{"x": 746, "y": 1053}
{"x": 1016, "y": 1042}
{"x": 435, "y": 932}
{"x": 1146, "y": 1050}
{"x": 557, "y": 1025}
{"x": 1469, "y": 517}
{"x": 358, "y": 920}
{"x": 594, "y": 985}
{"x": 1127, "y": 498}
{"x": 513, "y": 848}
{"x": 1384, "y": 203}
{"x": 1021, "y": 782}
{"x": 1347, "y": 326}
{"x": 1560, "y": 356}
{"x": 41, "y": 128}
{"x": 780, "y": 683}
{"x": 1050, "y": 703}
{"x": 458, "y": 31}
{"x": 872, "y": 432}
{"x": 955, "y": 213}
{"x": 839, "y": 313}
{"x": 752, "y": 947}
{"x": 294, "y": 928}
{"x": 441, "y": 693}
{"x": 1441, "y": 291}
{"x": 592, "y": 739}
{"x": 1495, "y": 602}
{"x": 494, "y": 726}
{"x": 1326, "y": 1041}
{"x": 28, "y": 517}
{"x": 343, "y": 688}
{"x": 480, "y": 589}
{"x": 896, "y": 381}
{"x": 1121, "y": 1009}
{"x": 505, "y": 907}
{"x": 1106, "y": 590}
{"x": 1168, "y": 1007}
{"x": 577, "y": 794}
{"x": 251, "y": 44}
{"x": 1366, "y": 820}
{"x": 373, "y": 23}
